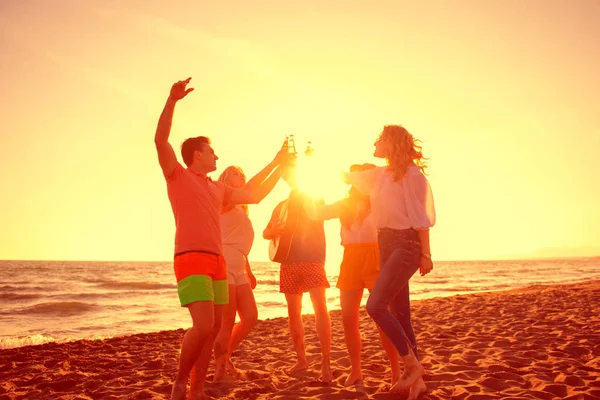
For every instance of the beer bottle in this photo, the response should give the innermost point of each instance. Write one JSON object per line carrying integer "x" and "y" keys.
{"x": 292, "y": 145}
{"x": 309, "y": 149}
{"x": 286, "y": 143}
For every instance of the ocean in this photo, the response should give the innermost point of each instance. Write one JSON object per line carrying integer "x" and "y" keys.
{"x": 48, "y": 301}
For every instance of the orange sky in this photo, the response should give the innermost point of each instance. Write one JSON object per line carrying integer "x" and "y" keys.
{"x": 504, "y": 95}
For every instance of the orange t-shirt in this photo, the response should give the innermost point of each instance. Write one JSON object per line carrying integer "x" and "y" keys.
{"x": 197, "y": 201}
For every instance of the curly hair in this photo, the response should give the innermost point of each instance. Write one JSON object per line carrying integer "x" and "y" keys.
{"x": 405, "y": 150}
{"x": 226, "y": 176}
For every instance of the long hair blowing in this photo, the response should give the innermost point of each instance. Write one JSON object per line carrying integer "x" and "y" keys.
{"x": 405, "y": 150}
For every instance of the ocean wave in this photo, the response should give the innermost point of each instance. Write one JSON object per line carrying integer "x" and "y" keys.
{"x": 11, "y": 296}
{"x": 270, "y": 304}
{"x": 38, "y": 339}
{"x": 437, "y": 281}
{"x": 18, "y": 296}
{"x": 8, "y": 288}
{"x": 62, "y": 308}
{"x": 85, "y": 296}
{"x": 12, "y": 342}
{"x": 136, "y": 285}
{"x": 461, "y": 289}
{"x": 269, "y": 282}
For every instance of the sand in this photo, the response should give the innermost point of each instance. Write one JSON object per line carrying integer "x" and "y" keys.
{"x": 539, "y": 342}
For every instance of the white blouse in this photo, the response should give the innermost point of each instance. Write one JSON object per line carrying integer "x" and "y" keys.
{"x": 366, "y": 232}
{"x": 403, "y": 204}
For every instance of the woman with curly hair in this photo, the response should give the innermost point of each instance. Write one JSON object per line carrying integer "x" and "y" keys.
{"x": 403, "y": 210}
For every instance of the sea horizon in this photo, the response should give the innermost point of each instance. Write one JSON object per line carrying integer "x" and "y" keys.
{"x": 268, "y": 261}
{"x": 100, "y": 299}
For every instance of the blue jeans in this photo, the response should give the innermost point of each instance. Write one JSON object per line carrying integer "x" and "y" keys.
{"x": 389, "y": 301}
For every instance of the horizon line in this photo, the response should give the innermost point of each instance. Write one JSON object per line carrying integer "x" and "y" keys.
{"x": 507, "y": 258}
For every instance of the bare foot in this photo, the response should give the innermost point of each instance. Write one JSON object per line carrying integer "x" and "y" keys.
{"x": 299, "y": 367}
{"x": 353, "y": 379}
{"x": 198, "y": 396}
{"x": 408, "y": 378}
{"x": 232, "y": 370}
{"x": 220, "y": 372}
{"x": 417, "y": 389}
{"x": 178, "y": 391}
{"x": 326, "y": 375}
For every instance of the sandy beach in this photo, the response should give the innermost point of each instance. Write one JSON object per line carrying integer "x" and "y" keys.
{"x": 539, "y": 342}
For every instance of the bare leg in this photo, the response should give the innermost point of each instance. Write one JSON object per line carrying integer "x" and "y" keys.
{"x": 246, "y": 308}
{"x": 294, "y": 303}
{"x": 203, "y": 321}
{"x": 224, "y": 335}
{"x": 413, "y": 371}
{"x": 417, "y": 389}
{"x": 323, "y": 323}
{"x": 203, "y": 360}
{"x": 350, "y": 303}
{"x": 392, "y": 354}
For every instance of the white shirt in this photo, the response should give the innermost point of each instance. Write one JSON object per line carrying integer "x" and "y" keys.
{"x": 236, "y": 230}
{"x": 366, "y": 232}
{"x": 403, "y": 204}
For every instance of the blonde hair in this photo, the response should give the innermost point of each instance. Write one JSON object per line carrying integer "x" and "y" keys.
{"x": 226, "y": 177}
{"x": 405, "y": 150}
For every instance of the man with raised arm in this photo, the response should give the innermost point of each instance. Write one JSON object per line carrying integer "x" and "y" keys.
{"x": 199, "y": 266}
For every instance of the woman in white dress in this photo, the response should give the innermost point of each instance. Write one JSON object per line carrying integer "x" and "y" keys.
{"x": 238, "y": 235}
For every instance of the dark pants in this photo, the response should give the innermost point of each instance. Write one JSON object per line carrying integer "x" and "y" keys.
{"x": 389, "y": 301}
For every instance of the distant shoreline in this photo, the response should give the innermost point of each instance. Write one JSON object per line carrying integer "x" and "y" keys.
{"x": 542, "y": 258}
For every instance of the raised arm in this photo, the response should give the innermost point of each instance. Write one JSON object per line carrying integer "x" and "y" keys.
{"x": 263, "y": 174}
{"x": 255, "y": 196}
{"x": 166, "y": 155}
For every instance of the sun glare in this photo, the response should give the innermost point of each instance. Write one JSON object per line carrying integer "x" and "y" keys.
{"x": 319, "y": 179}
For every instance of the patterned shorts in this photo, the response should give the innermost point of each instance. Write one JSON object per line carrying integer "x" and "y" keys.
{"x": 298, "y": 278}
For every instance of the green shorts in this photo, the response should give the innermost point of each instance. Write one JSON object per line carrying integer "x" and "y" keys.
{"x": 201, "y": 277}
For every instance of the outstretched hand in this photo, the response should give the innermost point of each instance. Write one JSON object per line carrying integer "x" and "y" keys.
{"x": 179, "y": 91}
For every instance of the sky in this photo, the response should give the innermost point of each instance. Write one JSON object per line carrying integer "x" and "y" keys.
{"x": 502, "y": 93}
